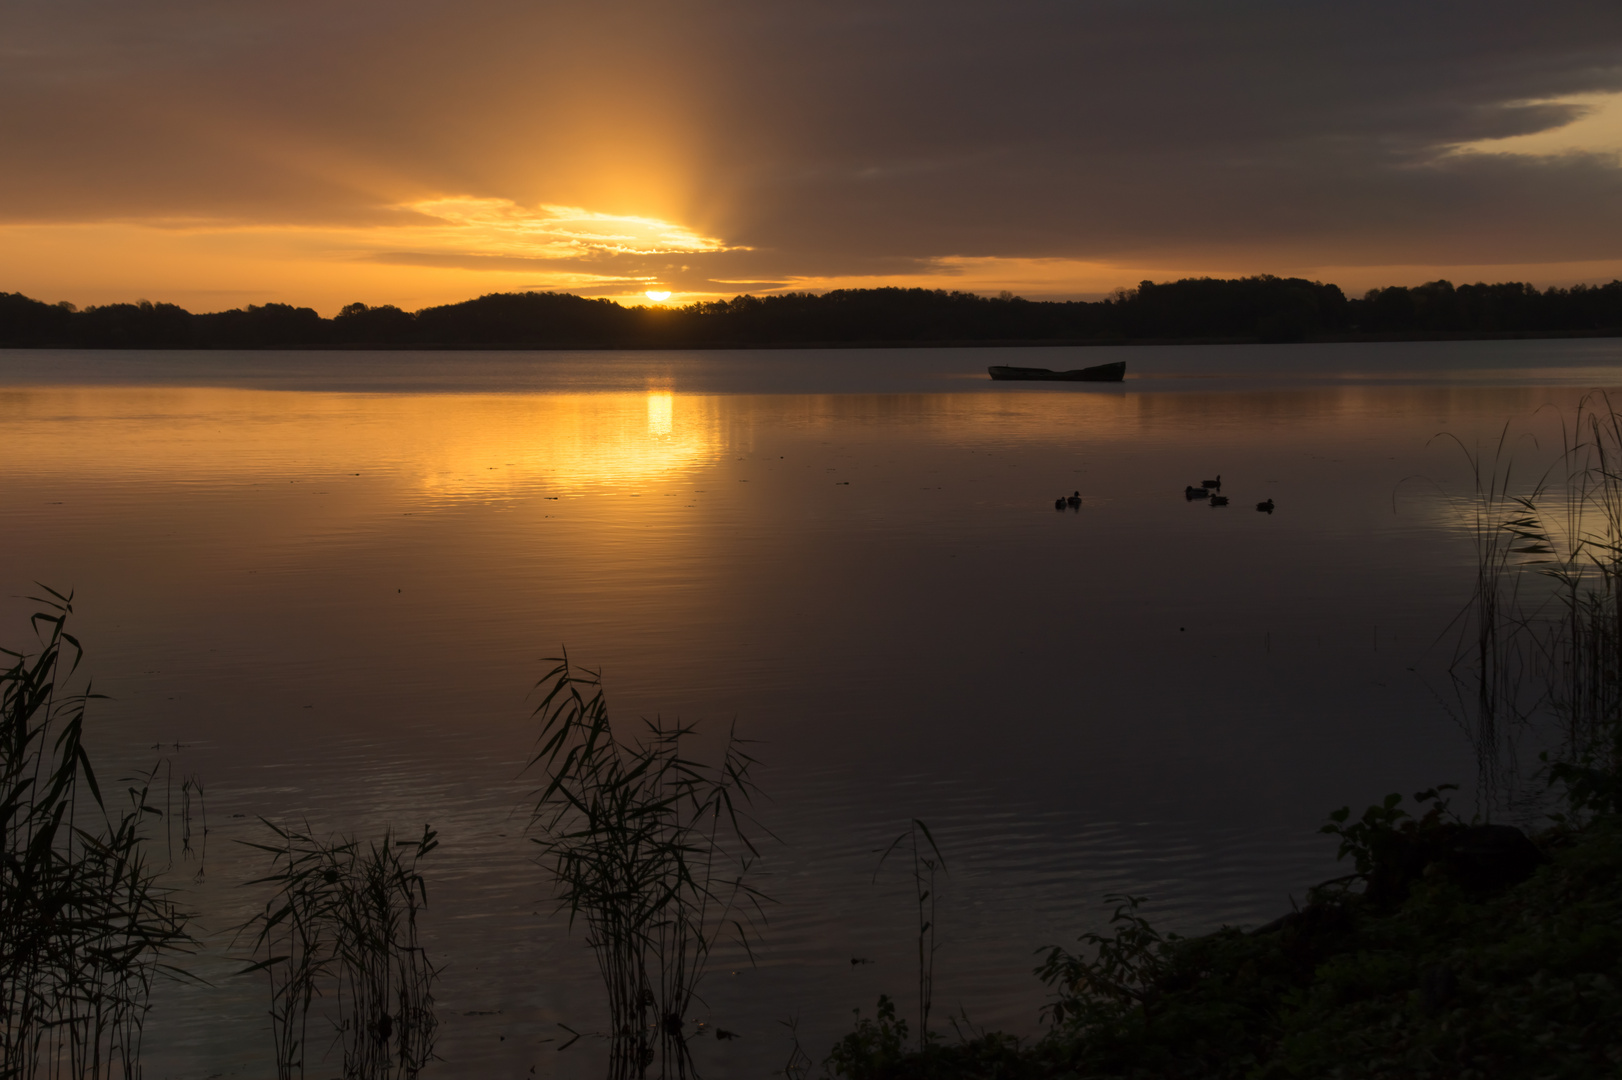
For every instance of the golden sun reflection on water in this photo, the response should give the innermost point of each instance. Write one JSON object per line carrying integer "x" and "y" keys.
{"x": 446, "y": 446}
{"x": 661, "y": 412}
{"x": 569, "y": 441}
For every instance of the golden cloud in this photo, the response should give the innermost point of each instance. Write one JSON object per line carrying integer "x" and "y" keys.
{"x": 501, "y": 226}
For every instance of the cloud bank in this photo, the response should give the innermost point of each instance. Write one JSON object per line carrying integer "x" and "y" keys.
{"x": 425, "y": 151}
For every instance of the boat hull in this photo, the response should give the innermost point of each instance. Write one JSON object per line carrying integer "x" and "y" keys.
{"x": 1102, "y": 373}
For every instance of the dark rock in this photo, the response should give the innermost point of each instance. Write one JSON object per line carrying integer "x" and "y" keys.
{"x": 1480, "y": 858}
{"x": 1487, "y": 858}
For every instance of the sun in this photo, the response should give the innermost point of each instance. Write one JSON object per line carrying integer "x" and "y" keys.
{"x": 657, "y": 295}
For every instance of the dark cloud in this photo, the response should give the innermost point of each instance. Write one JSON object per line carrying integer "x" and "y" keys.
{"x": 837, "y": 137}
{"x": 1130, "y": 130}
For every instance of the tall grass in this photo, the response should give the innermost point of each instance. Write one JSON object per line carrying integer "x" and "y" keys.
{"x": 927, "y": 862}
{"x": 1541, "y": 647}
{"x": 1491, "y": 675}
{"x": 84, "y": 923}
{"x": 343, "y": 919}
{"x": 650, "y": 849}
{"x": 1578, "y": 646}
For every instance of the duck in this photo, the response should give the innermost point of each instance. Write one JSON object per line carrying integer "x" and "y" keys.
{"x": 1058, "y": 504}
{"x": 1265, "y": 507}
{"x": 1192, "y": 492}
{"x": 1074, "y": 500}
{"x": 1219, "y": 500}
{"x": 1212, "y": 484}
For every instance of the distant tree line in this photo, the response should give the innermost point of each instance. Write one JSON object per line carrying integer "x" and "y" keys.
{"x": 1264, "y": 308}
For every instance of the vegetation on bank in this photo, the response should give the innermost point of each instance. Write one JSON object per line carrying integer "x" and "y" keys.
{"x": 1455, "y": 951}
{"x": 1263, "y": 308}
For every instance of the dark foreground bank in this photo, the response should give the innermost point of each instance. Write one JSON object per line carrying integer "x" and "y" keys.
{"x": 1265, "y": 308}
{"x": 1454, "y": 950}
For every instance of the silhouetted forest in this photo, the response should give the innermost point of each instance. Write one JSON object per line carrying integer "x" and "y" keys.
{"x": 1265, "y": 308}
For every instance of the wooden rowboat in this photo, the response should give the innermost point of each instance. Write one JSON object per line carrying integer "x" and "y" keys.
{"x": 1102, "y": 373}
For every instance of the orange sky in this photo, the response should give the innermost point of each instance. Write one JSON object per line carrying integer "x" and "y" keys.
{"x": 423, "y": 153}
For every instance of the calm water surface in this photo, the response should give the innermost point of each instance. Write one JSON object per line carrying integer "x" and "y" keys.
{"x": 324, "y": 582}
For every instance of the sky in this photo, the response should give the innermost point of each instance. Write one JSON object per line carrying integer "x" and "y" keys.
{"x": 215, "y": 153}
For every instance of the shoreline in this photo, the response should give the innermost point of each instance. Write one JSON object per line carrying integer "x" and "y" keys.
{"x": 793, "y": 346}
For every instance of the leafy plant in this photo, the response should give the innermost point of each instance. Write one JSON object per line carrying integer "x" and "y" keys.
{"x": 1389, "y": 847}
{"x": 1092, "y": 992}
{"x": 877, "y": 1049}
{"x": 876, "y": 1046}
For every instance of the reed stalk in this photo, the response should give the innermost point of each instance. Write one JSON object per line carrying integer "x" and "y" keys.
{"x": 1580, "y": 644}
{"x": 84, "y": 923}
{"x": 343, "y": 919}
{"x": 650, "y": 850}
{"x": 1544, "y": 626}
{"x": 927, "y": 861}
{"x": 1490, "y": 668}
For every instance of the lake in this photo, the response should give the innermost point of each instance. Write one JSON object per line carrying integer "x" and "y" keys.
{"x": 324, "y": 584}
